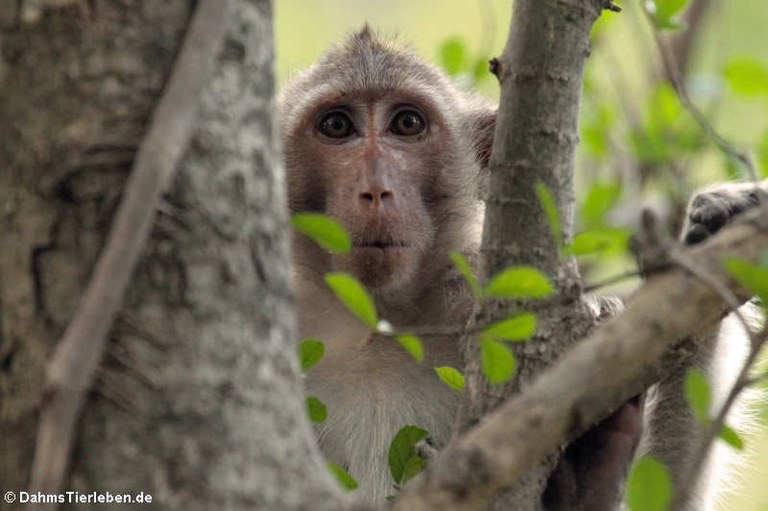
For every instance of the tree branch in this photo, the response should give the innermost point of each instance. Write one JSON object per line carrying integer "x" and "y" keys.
{"x": 77, "y": 355}
{"x": 620, "y": 359}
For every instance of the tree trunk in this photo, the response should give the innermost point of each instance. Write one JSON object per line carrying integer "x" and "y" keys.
{"x": 541, "y": 74}
{"x": 198, "y": 400}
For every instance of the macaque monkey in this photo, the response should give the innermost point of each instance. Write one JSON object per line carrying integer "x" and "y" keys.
{"x": 387, "y": 145}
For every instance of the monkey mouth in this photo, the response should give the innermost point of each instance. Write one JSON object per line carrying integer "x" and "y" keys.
{"x": 380, "y": 244}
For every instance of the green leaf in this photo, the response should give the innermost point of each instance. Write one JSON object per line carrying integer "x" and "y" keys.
{"x": 310, "y": 352}
{"x": 730, "y": 436}
{"x": 498, "y": 361}
{"x": 402, "y": 449}
{"x": 548, "y": 204}
{"x": 648, "y": 145}
{"x": 747, "y": 76}
{"x": 664, "y": 107}
{"x": 648, "y": 487}
{"x": 325, "y": 231}
{"x": 342, "y": 476}
{"x": 753, "y": 278}
{"x": 466, "y": 270}
{"x": 698, "y": 394}
{"x": 453, "y": 55}
{"x": 481, "y": 69}
{"x": 597, "y": 127}
{"x": 601, "y": 197}
{"x": 670, "y": 8}
{"x": 518, "y": 328}
{"x": 412, "y": 345}
{"x": 352, "y": 294}
{"x": 605, "y": 240}
{"x": 413, "y": 466}
{"x": 762, "y": 155}
{"x": 519, "y": 282}
{"x": 316, "y": 409}
{"x": 451, "y": 377}
{"x": 665, "y": 12}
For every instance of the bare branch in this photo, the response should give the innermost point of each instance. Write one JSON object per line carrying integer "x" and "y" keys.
{"x": 77, "y": 355}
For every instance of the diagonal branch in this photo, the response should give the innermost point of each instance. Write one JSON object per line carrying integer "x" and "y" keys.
{"x": 620, "y": 359}
{"x": 77, "y": 355}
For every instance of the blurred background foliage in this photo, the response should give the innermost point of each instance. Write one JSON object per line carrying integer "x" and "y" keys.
{"x": 640, "y": 145}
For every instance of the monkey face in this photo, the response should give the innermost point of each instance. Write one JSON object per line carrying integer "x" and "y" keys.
{"x": 377, "y": 163}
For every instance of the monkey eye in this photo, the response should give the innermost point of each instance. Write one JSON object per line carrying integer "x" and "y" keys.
{"x": 336, "y": 125}
{"x": 408, "y": 123}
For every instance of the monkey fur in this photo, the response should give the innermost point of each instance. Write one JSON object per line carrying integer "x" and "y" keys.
{"x": 390, "y": 147}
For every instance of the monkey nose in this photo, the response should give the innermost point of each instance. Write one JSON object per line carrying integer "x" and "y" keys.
{"x": 375, "y": 196}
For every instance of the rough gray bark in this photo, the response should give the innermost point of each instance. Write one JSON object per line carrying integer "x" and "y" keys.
{"x": 541, "y": 74}
{"x": 198, "y": 401}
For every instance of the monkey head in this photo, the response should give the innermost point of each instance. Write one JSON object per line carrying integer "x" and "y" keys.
{"x": 387, "y": 145}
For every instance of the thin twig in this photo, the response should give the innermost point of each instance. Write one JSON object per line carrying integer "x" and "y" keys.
{"x": 76, "y": 359}
{"x": 612, "y": 280}
{"x": 685, "y": 99}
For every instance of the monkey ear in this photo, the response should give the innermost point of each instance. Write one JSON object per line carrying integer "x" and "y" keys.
{"x": 483, "y": 126}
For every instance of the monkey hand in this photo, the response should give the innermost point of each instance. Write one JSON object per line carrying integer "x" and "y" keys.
{"x": 716, "y": 206}
{"x": 590, "y": 474}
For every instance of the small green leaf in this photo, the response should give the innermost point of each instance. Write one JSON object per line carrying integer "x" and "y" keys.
{"x": 762, "y": 155}
{"x": 519, "y": 282}
{"x": 481, "y": 69}
{"x": 453, "y": 55}
{"x": 665, "y": 12}
{"x": 402, "y": 449}
{"x": 310, "y": 352}
{"x": 517, "y": 328}
{"x": 413, "y": 466}
{"x": 747, "y": 76}
{"x": 606, "y": 240}
{"x": 548, "y": 204}
{"x": 325, "y": 231}
{"x": 648, "y": 487}
{"x": 753, "y": 278}
{"x": 469, "y": 275}
{"x": 412, "y": 345}
{"x": 498, "y": 361}
{"x": 729, "y": 435}
{"x": 601, "y": 197}
{"x": 342, "y": 476}
{"x": 352, "y": 294}
{"x": 316, "y": 409}
{"x": 698, "y": 394}
{"x": 451, "y": 377}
